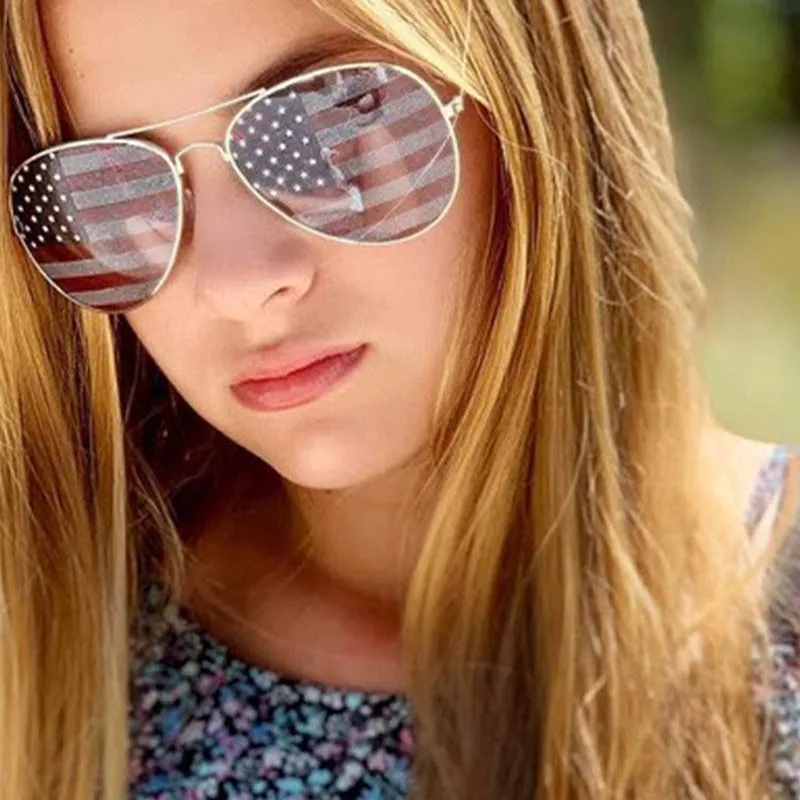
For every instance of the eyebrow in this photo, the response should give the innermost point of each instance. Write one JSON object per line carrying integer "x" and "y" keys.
{"x": 302, "y": 57}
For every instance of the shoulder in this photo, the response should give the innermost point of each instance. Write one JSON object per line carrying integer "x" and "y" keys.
{"x": 761, "y": 478}
{"x": 764, "y": 478}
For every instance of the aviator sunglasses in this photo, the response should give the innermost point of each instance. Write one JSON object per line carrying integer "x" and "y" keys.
{"x": 363, "y": 153}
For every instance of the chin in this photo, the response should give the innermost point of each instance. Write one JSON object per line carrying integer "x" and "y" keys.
{"x": 335, "y": 457}
{"x": 328, "y": 468}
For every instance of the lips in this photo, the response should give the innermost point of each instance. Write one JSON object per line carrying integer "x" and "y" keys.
{"x": 279, "y": 362}
{"x": 300, "y": 387}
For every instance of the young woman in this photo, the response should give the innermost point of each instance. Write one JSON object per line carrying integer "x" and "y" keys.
{"x": 486, "y": 540}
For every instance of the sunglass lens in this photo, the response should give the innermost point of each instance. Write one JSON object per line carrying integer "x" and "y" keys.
{"x": 100, "y": 220}
{"x": 358, "y": 153}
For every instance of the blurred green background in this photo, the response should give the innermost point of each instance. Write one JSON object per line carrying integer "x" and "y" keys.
{"x": 731, "y": 73}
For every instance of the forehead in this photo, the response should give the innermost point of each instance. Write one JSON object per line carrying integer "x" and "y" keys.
{"x": 123, "y": 63}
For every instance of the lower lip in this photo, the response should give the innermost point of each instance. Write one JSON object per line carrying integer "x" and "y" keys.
{"x": 301, "y": 387}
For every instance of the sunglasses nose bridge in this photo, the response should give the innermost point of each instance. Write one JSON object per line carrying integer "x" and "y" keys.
{"x": 194, "y": 145}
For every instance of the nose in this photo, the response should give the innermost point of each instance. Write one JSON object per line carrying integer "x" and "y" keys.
{"x": 239, "y": 255}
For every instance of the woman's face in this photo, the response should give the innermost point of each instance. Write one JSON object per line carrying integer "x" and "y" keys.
{"x": 246, "y": 280}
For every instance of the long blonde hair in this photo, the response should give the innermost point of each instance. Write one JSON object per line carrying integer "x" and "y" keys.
{"x": 580, "y": 623}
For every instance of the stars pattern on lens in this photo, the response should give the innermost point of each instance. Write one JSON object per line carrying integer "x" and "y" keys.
{"x": 274, "y": 145}
{"x": 40, "y": 215}
{"x": 98, "y": 220}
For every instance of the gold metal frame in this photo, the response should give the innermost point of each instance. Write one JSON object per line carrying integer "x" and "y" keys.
{"x": 449, "y": 110}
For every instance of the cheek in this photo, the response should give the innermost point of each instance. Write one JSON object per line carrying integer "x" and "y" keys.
{"x": 169, "y": 338}
{"x": 433, "y": 269}
{"x": 452, "y": 248}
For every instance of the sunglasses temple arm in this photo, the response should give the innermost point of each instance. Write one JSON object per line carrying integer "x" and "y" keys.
{"x": 454, "y": 107}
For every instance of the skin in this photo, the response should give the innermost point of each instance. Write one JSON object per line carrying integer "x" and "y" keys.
{"x": 247, "y": 279}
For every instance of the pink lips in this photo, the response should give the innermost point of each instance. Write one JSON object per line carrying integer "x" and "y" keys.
{"x": 300, "y": 386}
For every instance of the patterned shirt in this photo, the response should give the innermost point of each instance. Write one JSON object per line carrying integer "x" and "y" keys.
{"x": 206, "y": 725}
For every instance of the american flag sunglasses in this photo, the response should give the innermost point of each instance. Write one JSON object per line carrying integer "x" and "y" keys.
{"x": 362, "y": 153}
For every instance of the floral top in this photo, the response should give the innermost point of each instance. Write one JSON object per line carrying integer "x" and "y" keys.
{"x": 204, "y": 724}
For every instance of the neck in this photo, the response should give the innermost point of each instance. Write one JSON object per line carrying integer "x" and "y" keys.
{"x": 313, "y": 582}
{"x": 363, "y": 539}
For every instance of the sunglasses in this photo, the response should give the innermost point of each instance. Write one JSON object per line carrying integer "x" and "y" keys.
{"x": 363, "y": 153}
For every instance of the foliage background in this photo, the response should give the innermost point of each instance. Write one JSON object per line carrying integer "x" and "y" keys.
{"x": 731, "y": 72}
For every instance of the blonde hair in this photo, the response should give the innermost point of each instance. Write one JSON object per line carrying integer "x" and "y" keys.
{"x": 580, "y": 623}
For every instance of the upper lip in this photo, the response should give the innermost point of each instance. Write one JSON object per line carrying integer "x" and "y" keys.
{"x": 283, "y": 359}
